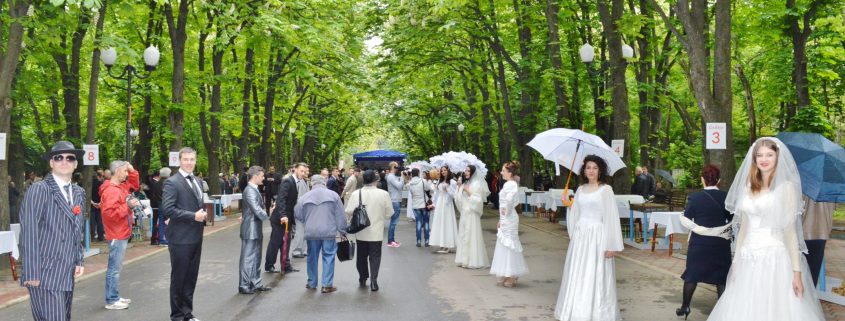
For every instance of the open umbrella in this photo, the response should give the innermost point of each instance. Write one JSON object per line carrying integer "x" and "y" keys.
{"x": 283, "y": 259}
{"x": 568, "y": 147}
{"x": 666, "y": 175}
{"x": 458, "y": 161}
{"x": 821, "y": 164}
{"x": 423, "y": 166}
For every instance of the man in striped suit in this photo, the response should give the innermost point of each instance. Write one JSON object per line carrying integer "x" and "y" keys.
{"x": 51, "y": 236}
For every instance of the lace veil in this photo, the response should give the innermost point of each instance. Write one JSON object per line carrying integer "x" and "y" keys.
{"x": 786, "y": 186}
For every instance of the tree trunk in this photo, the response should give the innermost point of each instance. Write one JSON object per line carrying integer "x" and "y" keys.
{"x": 8, "y": 69}
{"x": 799, "y": 35}
{"x": 143, "y": 150}
{"x": 91, "y": 123}
{"x": 178, "y": 35}
{"x": 619, "y": 97}
{"x": 70, "y": 77}
{"x": 564, "y": 117}
{"x": 749, "y": 102}
{"x": 243, "y": 142}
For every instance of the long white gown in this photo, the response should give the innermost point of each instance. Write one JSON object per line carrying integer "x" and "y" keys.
{"x": 444, "y": 226}
{"x": 508, "y": 260}
{"x": 588, "y": 285}
{"x": 759, "y": 283}
{"x": 471, "y": 252}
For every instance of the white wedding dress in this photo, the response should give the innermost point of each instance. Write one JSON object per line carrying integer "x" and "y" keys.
{"x": 759, "y": 286}
{"x": 508, "y": 260}
{"x": 471, "y": 252}
{"x": 588, "y": 285}
{"x": 444, "y": 226}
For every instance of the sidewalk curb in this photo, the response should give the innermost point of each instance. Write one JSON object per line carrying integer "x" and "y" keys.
{"x": 25, "y": 297}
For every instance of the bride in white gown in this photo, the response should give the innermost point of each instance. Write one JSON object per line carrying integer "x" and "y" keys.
{"x": 588, "y": 285}
{"x": 769, "y": 278}
{"x": 471, "y": 252}
{"x": 444, "y": 226}
{"x": 508, "y": 262}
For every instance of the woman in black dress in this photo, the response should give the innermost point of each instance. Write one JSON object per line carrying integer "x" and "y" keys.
{"x": 708, "y": 257}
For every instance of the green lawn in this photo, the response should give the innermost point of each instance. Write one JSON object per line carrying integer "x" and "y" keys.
{"x": 839, "y": 216}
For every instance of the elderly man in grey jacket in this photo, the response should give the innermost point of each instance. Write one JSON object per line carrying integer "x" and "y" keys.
{"x": 322, "y": 213}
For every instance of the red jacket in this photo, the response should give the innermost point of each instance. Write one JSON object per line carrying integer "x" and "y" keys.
{"x": 115, "y": 211}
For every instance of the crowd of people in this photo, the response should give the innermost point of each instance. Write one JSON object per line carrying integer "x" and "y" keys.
{"x": 766, "y": 279}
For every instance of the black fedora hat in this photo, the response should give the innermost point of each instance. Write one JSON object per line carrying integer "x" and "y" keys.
{"x": 63, "y": 147}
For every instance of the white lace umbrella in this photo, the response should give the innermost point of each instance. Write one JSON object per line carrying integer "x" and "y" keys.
{"x": 421, "y": 165}
{"x": 560, "y": 145}
{"x": 568, "y": 147}
{"x": 458, "y": 161}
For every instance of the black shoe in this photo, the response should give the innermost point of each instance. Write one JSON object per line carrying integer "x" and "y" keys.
{"x": 298, "y": 256}
{"x": 682, "y": 311}
{"x": 362, "y": 283}
{"x": 373, "y": 285}
{"x": 426, "y": 244}
{"x": 291, "y": 270}
{"x": 242, "y": 291}
{"x": 263, "y": 289}
{"x": 272, "y": 270}
{"x": 418, "y": 244}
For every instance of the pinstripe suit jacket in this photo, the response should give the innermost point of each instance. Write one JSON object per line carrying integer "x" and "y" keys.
{"x": 51, "y": 235}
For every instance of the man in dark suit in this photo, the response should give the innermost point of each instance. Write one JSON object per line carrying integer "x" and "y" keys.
{"x": 251, "y": 233}
{"x": 272, "y": 180}
{"x": 243, "y": 180}
{"x": 285, "y": 201}
{"x": 52, "y": 229}
{"x": 155, "y": 194}
{"x": 181, "y": 205}
{"x": 97, "y": 229}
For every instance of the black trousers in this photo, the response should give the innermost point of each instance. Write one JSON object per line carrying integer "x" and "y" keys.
{"x": 274, "y": 246}
{"x": 184, "y": 268}
{"x": 815, "y": 249}
{"x": 368, "y": 252}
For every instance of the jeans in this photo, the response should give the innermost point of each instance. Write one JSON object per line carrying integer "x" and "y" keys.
{"x": 391, "y": 232}
{"x": 162, "y": 231}
{"x": 328, "y": 249}
{"x": 117, "y": 249}
{"x": 421, "y": 215}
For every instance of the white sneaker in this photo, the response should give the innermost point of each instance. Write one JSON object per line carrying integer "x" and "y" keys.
{"x": 125, "y": 300}
{"x": 117, "y": 305}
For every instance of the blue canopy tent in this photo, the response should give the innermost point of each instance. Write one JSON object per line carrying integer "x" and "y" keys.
{"x": 379, "y": 159}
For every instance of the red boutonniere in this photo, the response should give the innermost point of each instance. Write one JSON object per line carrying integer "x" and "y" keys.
{"x": 76, "y": 210}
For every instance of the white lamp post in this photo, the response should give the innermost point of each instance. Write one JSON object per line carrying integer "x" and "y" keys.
{"x": 109, "y": 58}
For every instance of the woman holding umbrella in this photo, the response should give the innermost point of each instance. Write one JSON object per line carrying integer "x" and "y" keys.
{"x": 472, "y": 191}
{"x": 588, "y": 287}
{"x": 444, "y": 228}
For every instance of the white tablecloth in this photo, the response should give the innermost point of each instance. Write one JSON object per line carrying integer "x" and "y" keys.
{"x": 553, "y": 200}
{"x": 623, "y": 203}
{"x": 9, "y": 244}
{"x": 671, "y": 220}
{"x": 17, "y": 229}
{"x": 537, "y": 198}
{"x": 227, "y": 199}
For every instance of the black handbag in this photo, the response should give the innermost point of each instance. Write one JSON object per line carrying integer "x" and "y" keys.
{"x": 360, "y": 220}
{"x": 345, "y": 249}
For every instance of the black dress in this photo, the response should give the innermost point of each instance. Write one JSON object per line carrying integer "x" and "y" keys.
{"x": 708, "y": 257}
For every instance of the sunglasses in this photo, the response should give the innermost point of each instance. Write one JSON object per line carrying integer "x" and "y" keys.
{"x": 68, "y": 158}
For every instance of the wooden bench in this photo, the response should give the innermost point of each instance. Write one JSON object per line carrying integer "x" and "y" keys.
{"x": 677, "y": 200}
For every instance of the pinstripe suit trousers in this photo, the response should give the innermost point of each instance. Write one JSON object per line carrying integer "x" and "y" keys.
{"x": 50, "y": 305}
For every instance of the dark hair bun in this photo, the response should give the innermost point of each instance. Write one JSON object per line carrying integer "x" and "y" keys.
{"x": 512, "y": 166}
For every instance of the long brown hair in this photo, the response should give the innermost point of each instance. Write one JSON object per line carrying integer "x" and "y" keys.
{"x": 756, "y": 176}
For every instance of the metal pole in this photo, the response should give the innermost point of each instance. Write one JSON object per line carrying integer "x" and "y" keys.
{"x": 129, "y": 73}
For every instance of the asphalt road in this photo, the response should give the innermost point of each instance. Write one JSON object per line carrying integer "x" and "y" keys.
{"x": 415, "y": 285}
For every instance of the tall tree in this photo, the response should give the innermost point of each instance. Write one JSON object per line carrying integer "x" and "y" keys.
{"x": 177, "y": 27}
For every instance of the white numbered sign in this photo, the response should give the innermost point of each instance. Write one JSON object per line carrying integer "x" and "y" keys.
{"x": 716, "y": 134}
{"x": 618, "y": 146}
{"x": 174, "y": 159}
{"x": 2, "y": 146}
{"x": 92, "y": 155}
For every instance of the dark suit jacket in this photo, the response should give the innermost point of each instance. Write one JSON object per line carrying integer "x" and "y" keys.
{"x": 179, "y": 203}
{"x": 253, "y": 214}
{"x": 156, "y": 191}
{"x": 285, "y": 201}
{"x": 51, "y": 235}
{"x": 242, "y": 181}
{"x": 707, "y": 208}
{"x": 271, "y": 188}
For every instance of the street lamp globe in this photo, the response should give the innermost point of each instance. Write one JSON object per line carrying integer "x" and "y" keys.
{"x": 587, "y": 53}
{"x": 323, "y": 146}
{"x": 151, "y": 57}
{"x": 461, "y": 127}
{"x": 627, "y": 51}
{"x": 108, "y": 56}
{"x": 134, "y": 132}
{"x": 292, "y": 130}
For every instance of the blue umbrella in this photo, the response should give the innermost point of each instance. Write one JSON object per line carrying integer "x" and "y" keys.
{"x": 821, "y": 164}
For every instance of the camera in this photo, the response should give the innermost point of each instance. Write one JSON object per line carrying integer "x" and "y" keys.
{"x": 138, "y": 211}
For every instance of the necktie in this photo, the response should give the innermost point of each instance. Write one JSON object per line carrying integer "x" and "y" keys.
{"x": 194, "y": 186}
{"x": 67, "y": 194}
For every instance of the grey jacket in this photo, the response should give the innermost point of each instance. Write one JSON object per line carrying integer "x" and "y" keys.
{"x": 394, "y": 187}
{"x": 418, "y": 187}
{"x": 321, "y": 211}
{"x": 253, "y": 214}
